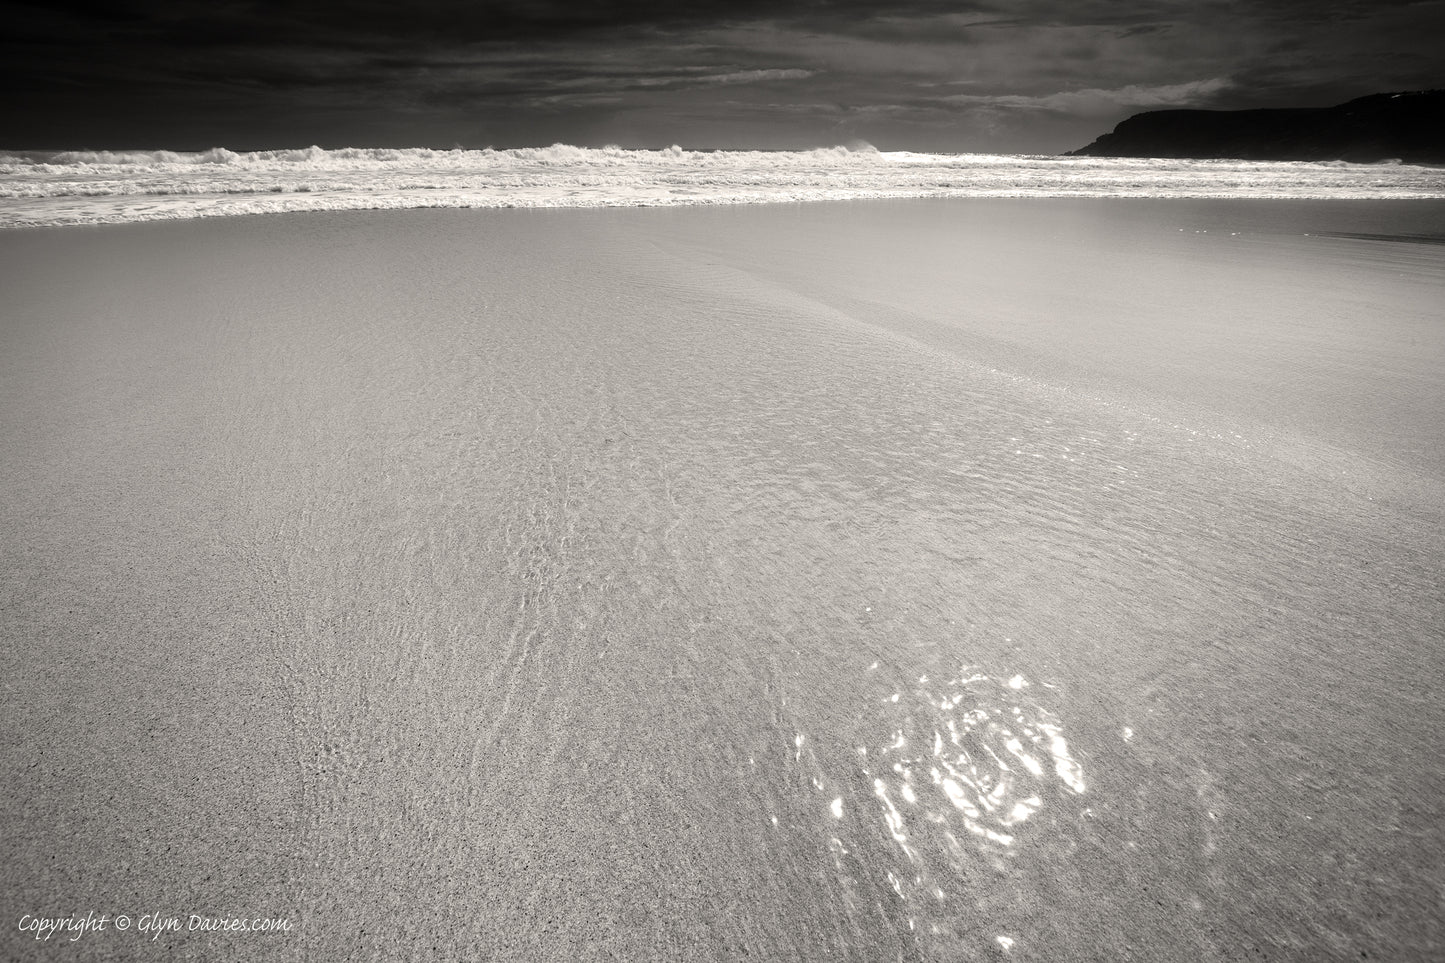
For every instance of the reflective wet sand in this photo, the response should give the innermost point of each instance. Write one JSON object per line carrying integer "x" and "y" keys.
{"x": 920, "y": 580}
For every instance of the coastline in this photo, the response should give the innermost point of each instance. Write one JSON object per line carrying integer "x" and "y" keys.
{"x": 89, "y": 187}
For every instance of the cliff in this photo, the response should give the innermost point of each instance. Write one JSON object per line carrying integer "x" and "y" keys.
{"x": 1406, "y": 126}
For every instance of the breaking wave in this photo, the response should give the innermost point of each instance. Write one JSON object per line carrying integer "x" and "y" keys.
{"x": 90, "y": 187}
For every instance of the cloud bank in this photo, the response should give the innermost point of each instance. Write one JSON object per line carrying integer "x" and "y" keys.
{"x": 924, "y": 74}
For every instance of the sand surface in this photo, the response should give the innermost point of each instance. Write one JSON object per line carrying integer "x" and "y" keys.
{"x": 922, "y": 580}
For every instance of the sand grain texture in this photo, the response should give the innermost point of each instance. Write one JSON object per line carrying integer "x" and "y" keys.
{"x": 626, "y": 585}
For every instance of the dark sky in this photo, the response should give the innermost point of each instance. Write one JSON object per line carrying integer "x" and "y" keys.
{"x": 1000, "y": 75}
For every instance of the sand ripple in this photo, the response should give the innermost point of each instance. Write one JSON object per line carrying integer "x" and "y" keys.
{"x": 953, "y": 776}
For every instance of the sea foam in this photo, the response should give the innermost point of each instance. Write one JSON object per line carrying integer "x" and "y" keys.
{"x": 94, "y": 187}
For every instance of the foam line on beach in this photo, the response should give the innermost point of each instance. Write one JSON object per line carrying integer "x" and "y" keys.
{"x": 40, "y": 188}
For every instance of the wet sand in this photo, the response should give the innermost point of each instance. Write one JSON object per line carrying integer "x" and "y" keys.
{"x": 927, "y": 580}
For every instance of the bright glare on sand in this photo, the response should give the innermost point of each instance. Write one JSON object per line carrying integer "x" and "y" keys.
{"x": 933, "y": 580}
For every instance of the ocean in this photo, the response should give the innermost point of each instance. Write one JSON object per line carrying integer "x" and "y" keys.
{"x": 947, "y": 578}
{"x": 39, "y": 188}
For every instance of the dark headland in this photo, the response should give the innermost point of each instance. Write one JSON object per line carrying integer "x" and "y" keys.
{"x": 1409, "y": 127}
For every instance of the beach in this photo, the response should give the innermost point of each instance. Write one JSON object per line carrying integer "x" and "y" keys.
{"x": 928, "y": 580}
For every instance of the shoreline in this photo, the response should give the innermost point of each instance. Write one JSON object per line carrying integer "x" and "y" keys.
{"x": 168, "y": 186}
{"x": 1432, "y": 200}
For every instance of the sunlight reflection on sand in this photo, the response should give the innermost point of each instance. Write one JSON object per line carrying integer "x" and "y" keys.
{"x": 958, "y": 772}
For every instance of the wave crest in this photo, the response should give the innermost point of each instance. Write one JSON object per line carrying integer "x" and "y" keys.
{"x": 79, "y": 187}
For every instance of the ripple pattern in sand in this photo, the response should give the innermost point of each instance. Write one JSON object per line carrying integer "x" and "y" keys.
{"x": 924, "y": 818}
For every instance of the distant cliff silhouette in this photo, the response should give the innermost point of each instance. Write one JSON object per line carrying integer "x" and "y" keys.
{"x": 1406, "y": 126}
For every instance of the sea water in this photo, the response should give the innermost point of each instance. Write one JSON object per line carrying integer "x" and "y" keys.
{"x": 932, "y": 579}
{"x": 87, "y": 187}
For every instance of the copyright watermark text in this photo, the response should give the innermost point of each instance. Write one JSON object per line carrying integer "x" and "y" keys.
{"x": 148, "y": 925}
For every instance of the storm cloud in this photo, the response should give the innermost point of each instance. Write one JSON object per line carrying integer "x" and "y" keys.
{"x": 1034, "y": 75}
